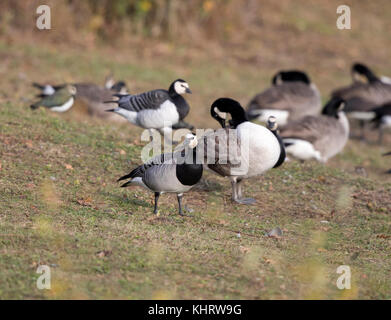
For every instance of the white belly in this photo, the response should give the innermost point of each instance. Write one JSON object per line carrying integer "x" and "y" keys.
{"x": 362, "y": 115}
{"x": 302, "y": 149}
{"x": 165, "y": 116}
{"x": 65, "y": 107}
{"x": 386, "y": 122}
{"x": 260, "y": 149}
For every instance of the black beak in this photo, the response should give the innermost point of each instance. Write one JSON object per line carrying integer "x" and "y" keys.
{"x": 188, "y": 90}
{"x": 222, "y": 122}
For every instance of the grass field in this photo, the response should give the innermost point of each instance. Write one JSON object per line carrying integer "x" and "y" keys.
{"x": 61, "y": 206}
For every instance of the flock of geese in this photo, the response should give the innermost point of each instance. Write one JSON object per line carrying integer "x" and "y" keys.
{"x": 296, "y": 125}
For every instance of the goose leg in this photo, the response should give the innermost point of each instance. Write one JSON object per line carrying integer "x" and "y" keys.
{"x": 167, "y": 135}
{"x": 157, "y": 195}
{"x": 237, "y": 192}
{"x": 179, "y": 196}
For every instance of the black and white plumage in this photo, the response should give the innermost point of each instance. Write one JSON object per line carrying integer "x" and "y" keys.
{"x": 157, "y": 109}
{"x": 241, "y": 150}
{"x": 169, "y": 173}
{"x": 382, "y": 119}
{"x": 318, "y": 137}
{"x": 291, "y": 96}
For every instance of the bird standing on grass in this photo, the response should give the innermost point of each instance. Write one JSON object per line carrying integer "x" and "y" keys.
{"x": 164, "y": 174}
{"x": 60, "y": 101}
{"x": 243, "y": 149}
{"x": 157, "y": 109}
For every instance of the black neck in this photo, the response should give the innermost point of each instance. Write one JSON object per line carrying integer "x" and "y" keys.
{"x": 189, "y": 173}
{"x": 172, "y": 92}
{"x": 282, "y": 157}
{"x": 238, "y": 116}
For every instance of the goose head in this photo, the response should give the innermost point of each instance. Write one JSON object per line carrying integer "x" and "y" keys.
{"x": 190, "y": 141}
{"x": 222, "y": 106}
{"x": 361, "y": 73}
{"x": 272, "y": 123}
{"x": 333, "y": 107}
{"x": 291, "y": 76}
{"x": 180, "y": 87}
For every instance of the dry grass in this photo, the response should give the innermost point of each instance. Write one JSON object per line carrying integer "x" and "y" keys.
{"x": 60, "y": 204}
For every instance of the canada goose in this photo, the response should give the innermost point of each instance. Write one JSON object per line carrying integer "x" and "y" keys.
{"x": 157, "y": 109}
{"x": 169, "y": 176}
{"x": 241, "y": 150}
{"x": 382, "y": 119}
{"x": 60, "y": 101}
{"x": 365, "y": 93}
{"x": 291, "y": 96}
{"x": 318, "y": 137}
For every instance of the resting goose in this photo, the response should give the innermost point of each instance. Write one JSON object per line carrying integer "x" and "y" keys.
{"x": 291, "y": 96}
{"x": 318, "y": 137}
{"x": 366, "y": 92}
{"x": 60, "y": 101}
{"x": 157, "y": 109}
{"x": 164, "y": 174}
{"x": 243, "y": 149}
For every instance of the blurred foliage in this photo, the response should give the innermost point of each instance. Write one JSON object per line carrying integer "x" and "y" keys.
{"x": 153, "y": 18}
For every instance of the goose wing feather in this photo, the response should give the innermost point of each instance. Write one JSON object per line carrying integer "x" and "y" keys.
{"x": 219, "y": 154}
{"x": 286, "y": 96}
{"x": 147, "y": 100}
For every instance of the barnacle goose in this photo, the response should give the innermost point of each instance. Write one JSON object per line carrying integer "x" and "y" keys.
{"x": 365, "y": 93}
{"x": 318, "y": 137}
{"x": 60, "y": 101}
{"x": 291, "y": 96}
{"x": 175, "y": 173}
{"x": 157, "y": 109}
{"x": 242, "y": 149}
{"x": 382, "y": 119}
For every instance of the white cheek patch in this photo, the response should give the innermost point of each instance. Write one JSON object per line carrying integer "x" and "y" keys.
{"x": 221, "y": 114}
{"x": 180, "y": 87}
